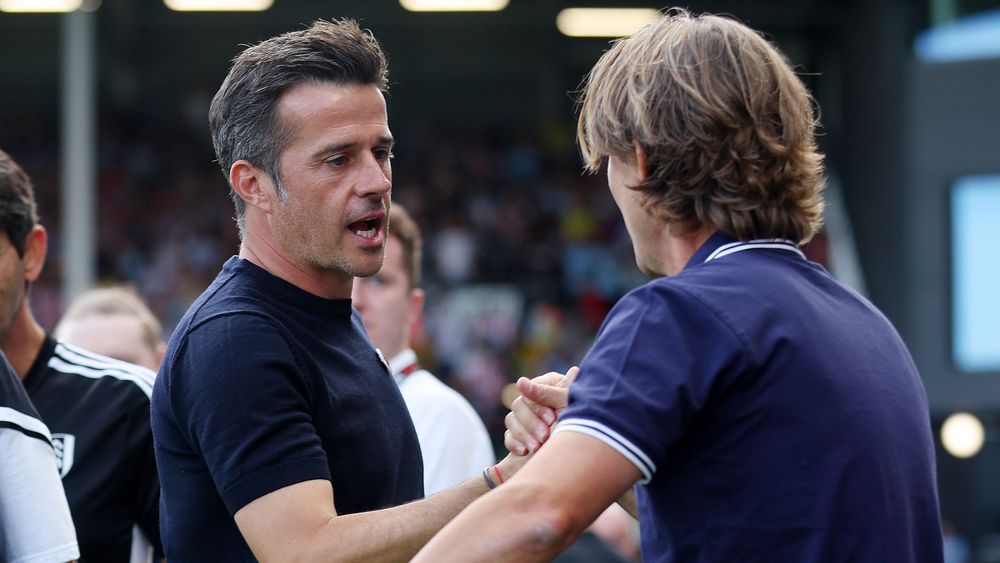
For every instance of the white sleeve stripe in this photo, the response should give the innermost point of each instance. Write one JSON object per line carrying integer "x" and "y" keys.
{"x": 61, "y": 365}
{"x": 24, "y": 421}
{"x": 615, "y": 436}
{"x": 79, "y": 356}
{"x": 647, "y": 470}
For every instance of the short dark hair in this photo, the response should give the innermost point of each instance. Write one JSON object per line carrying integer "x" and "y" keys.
{"x": 18, "y": 211}
{"x": 727, "y": 127}
{"x": 403, "y": 227}
{"x": 242, "y": 115}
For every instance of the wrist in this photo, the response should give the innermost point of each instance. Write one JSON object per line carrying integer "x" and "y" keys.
{"x": 494, "y": 476}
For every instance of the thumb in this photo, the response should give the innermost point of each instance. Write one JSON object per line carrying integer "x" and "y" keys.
{"x": 569, "y": 378}
{"x": 547, "y": 395}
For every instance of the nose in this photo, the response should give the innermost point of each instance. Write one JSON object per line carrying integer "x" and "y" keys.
{"x": 376, "y": 178}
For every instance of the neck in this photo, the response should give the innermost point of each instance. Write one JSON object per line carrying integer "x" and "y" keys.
{"x": 674, "y": 251}
{"x": 680, "y": 249}
{"x": 261, "y": 249}
{"x": 23, "y": 340}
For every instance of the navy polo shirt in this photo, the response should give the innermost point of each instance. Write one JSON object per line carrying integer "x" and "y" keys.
{"x": 774, "y": 414}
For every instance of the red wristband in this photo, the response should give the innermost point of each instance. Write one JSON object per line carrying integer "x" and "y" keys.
{"x": 499, "y": 476}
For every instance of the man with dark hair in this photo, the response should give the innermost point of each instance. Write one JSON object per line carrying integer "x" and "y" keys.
{"x": 453, "y": 440}
{"x": 280, "y": 433}
{"x": 766, "y": 411}
{"x": 97, "y": 408}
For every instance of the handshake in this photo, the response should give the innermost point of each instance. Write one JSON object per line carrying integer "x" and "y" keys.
{"x": 533, "y": 414}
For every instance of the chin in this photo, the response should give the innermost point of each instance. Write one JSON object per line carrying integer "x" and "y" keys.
{"x": 367, "y": 269}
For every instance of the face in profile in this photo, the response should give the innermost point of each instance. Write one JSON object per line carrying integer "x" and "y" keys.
{"x": 338, "y": 177}
{"x": 387, "y": 302}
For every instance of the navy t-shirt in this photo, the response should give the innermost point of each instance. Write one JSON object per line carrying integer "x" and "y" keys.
{"x": 263, "y": 386}
{"x": 773, "y": 413}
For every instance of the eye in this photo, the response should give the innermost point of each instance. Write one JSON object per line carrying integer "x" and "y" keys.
{"x": 384, "y": 154}
{"x": 337, "y": 161}
{"x": 378, "y": 280}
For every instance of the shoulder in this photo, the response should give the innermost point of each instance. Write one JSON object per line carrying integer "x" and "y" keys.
{"x": 23, "y": 421}
{"x": 706, "y": 299}
{"x": 680, "y": 300}
{"x": 87, "y": 367}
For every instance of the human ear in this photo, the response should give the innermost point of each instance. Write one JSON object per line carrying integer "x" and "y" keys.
{"x": 36, "y": 245}
{"x": 252, "y": 184}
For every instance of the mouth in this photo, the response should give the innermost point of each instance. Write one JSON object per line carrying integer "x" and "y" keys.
{"x": 368, "y": 228}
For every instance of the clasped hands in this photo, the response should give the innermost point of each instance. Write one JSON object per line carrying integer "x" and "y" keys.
{"x": 532, "y": 414}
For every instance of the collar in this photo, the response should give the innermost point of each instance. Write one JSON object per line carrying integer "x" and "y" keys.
{"x": 403, "y": 364}
{"x": 720, "y": 245}
{"x": 40, "y": 366}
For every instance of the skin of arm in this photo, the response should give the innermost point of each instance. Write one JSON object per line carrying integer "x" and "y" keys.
{"x": 300, "y": 522}
{"x": 534, "y": 413}
{"x": 542, "y": 509}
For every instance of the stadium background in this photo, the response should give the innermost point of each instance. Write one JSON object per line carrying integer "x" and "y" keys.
{"x": 525, "y": 253}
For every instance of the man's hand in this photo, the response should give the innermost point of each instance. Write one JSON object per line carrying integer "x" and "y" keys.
{"x": 535, "y": 411}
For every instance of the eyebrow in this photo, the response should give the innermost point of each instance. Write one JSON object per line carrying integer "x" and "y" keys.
{"x": 383, "y": 140}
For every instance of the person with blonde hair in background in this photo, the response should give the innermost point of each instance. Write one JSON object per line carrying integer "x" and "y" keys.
{"x": 759, "y": 409}
{"x": 116, "y": 322}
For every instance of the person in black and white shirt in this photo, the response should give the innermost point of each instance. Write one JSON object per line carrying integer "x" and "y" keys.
{"x": 97, "y": 408}
{"x": 35, "y": 524}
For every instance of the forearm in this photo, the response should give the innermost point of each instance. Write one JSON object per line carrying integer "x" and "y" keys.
{"x": 557, "y": 495}
{"x": 397, "y": 533}
{"x": 515, "y": 524}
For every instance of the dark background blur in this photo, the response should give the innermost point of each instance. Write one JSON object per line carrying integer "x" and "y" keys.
{"x": 525, "y": 253}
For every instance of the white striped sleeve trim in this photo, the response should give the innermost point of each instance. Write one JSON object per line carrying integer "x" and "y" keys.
{"x": 613, "y": 439}
{"x": 78, "y": 362}
{"x": 25, "y": 422}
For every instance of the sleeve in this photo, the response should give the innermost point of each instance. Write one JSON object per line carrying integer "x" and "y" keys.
{"x": 35, "y": 523}
{"x": 652, "y": 369}
{"x": 143, "y": 482}
{"x": 453, "y": 439}
{"x": 244, "y": 403}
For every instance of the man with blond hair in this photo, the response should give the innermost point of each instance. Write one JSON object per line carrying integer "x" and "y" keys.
{"x": 762, "y": 410}
{"x": 116, "y": 322}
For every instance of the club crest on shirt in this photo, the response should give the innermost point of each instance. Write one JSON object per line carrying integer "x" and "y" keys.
{"x": 65, "y": 446}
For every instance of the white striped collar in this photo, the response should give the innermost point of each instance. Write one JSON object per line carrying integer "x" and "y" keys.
{"x": 764, "y": 243}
